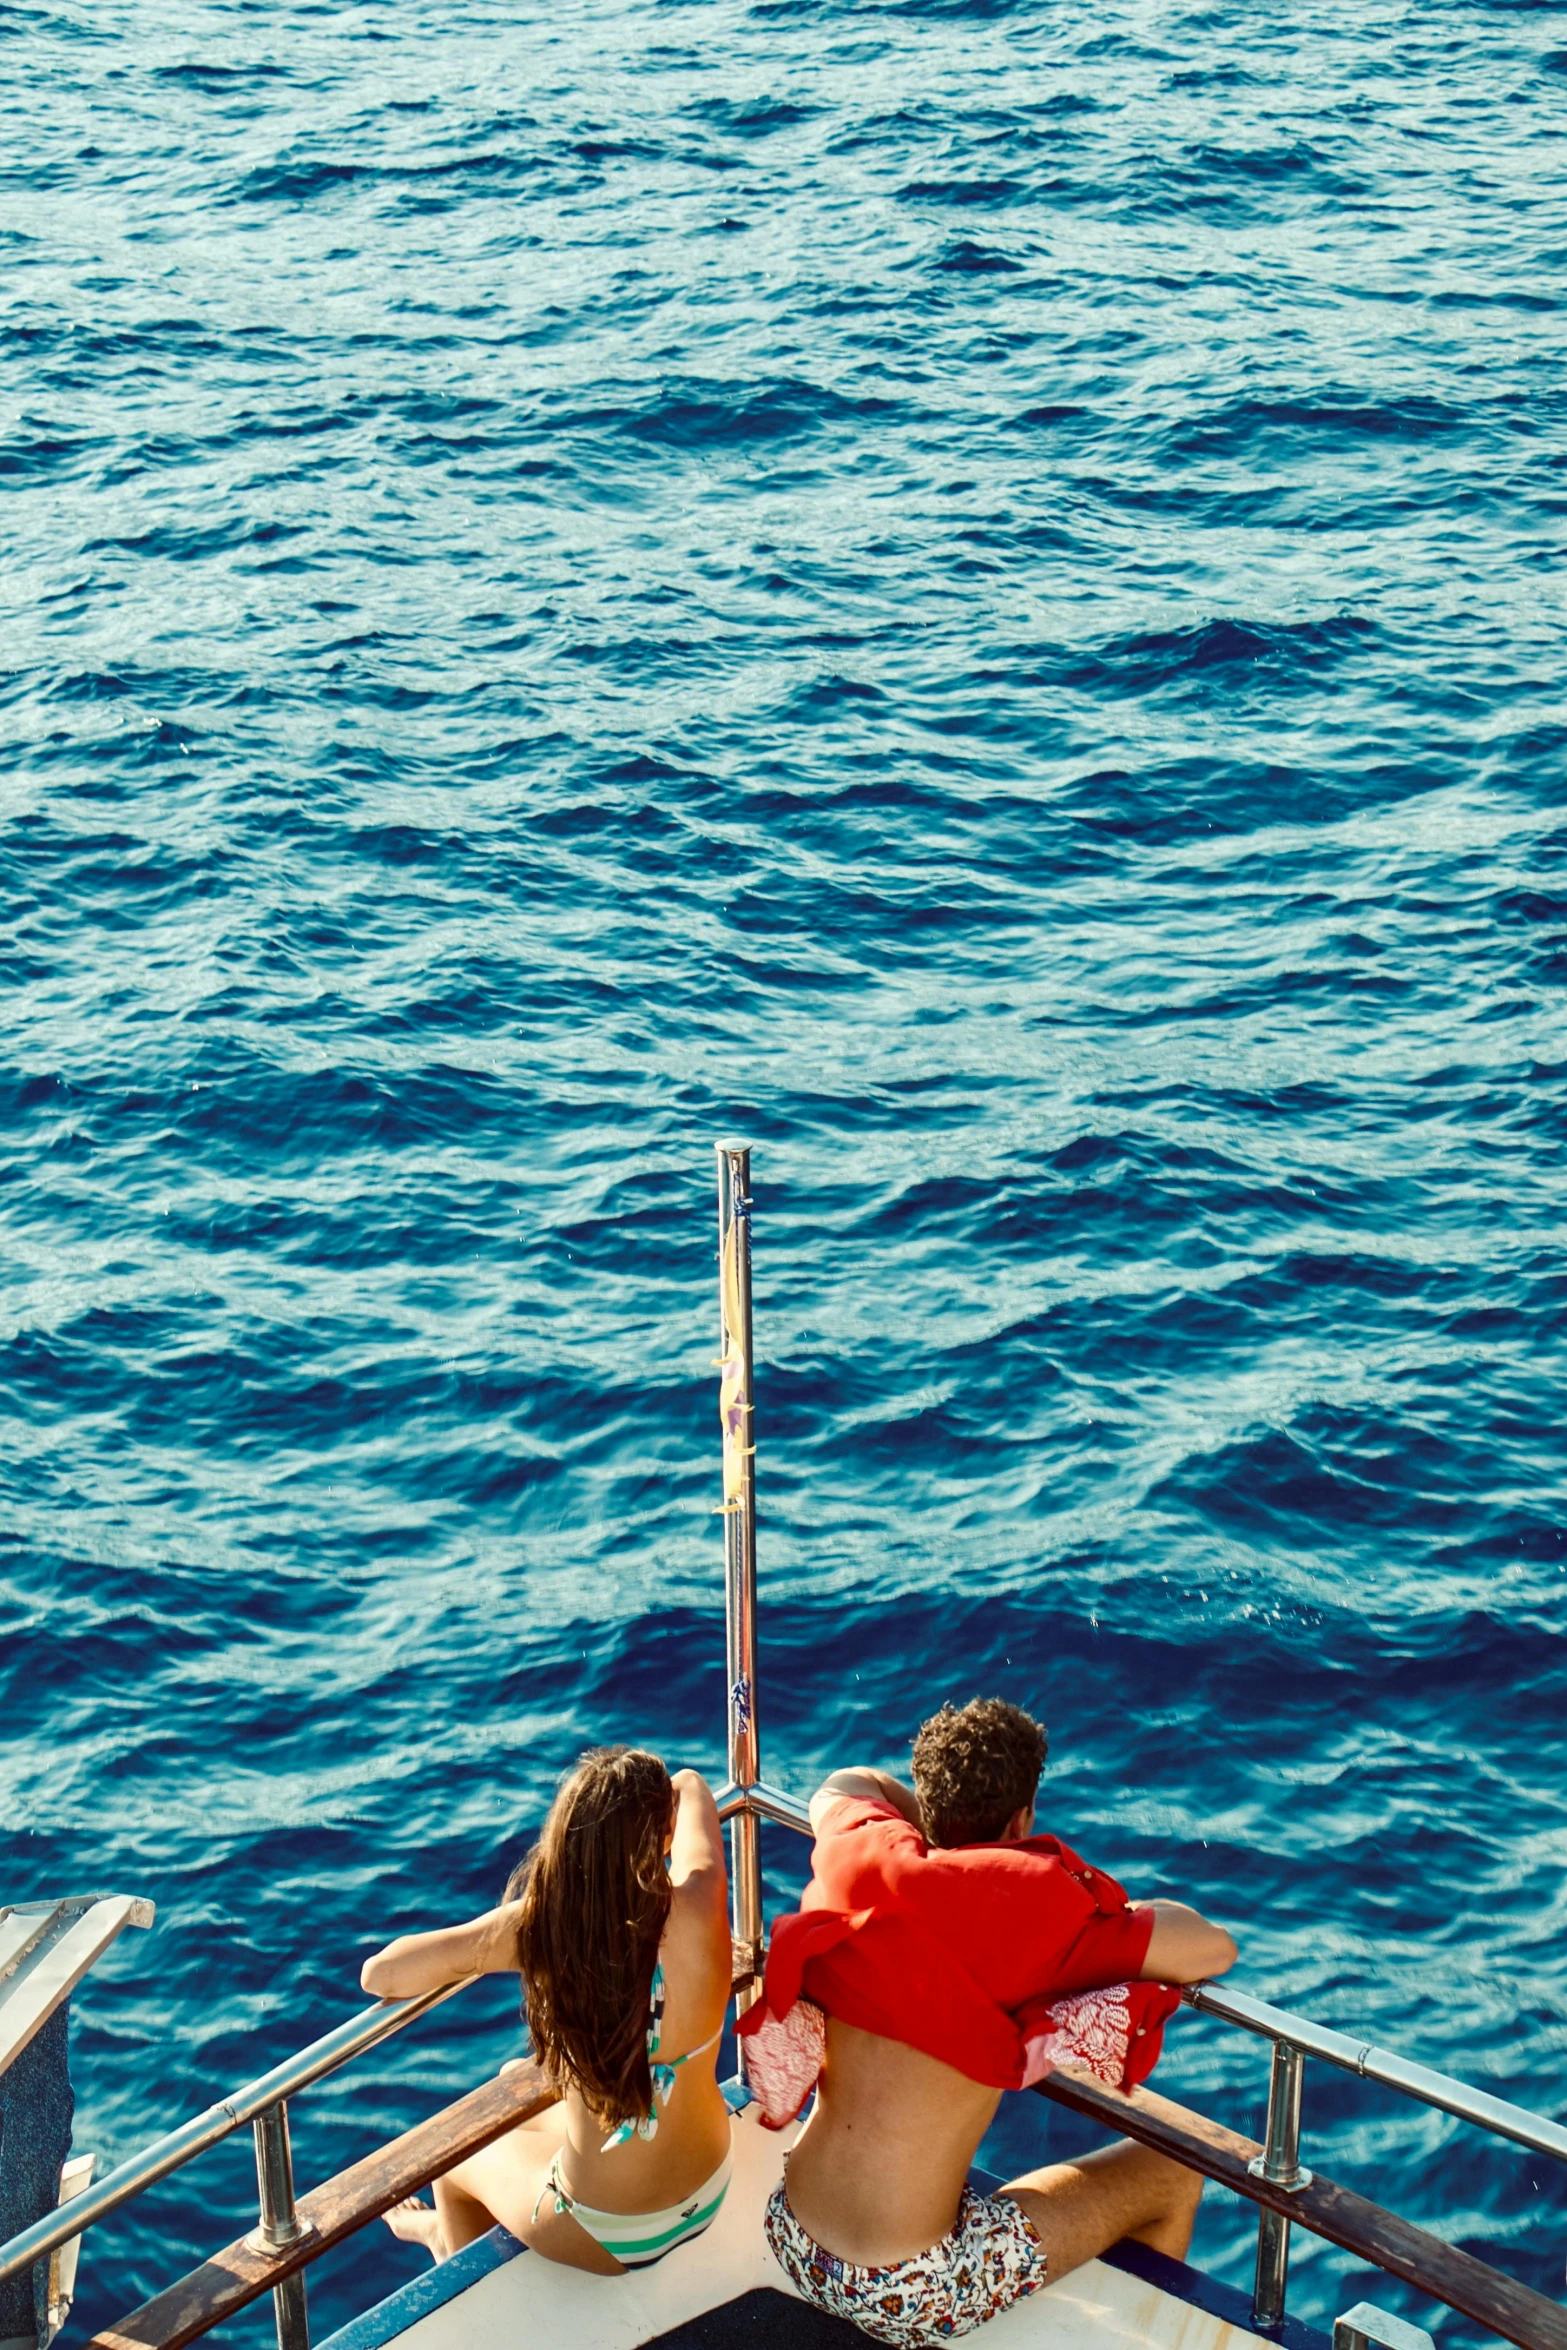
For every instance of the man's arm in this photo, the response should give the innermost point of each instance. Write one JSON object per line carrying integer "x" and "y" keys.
{"x": 1185, "y": 1948}
{"x": 866, "y": 1786}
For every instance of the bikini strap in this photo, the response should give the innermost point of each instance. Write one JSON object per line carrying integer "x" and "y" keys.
{"x": 565, "y": 2201}
{"x": 634, "y": 2126}
{"x": 662, "y": 2074}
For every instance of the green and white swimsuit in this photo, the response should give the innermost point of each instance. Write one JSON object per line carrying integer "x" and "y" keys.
{"x": 637, "y": 2238}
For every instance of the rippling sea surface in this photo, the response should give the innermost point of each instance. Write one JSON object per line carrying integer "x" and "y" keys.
{"x": 972, "y": 592}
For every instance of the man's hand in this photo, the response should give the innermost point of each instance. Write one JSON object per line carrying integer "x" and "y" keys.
{"x": 1185, "y": 1947}
{"x": 867, "y": 1785}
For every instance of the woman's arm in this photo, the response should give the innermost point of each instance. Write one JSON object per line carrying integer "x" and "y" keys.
{"x": 423, "y": 1962}
{"x": 1185, "y": 1948}
{"x": 696, "y": 1858}
{"x": 699, "y": 1956}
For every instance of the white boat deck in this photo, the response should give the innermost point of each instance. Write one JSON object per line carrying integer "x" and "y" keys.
{"x": 725, "y": 2291}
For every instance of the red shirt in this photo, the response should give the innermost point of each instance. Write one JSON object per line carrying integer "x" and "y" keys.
{"x": 951, "y": 1952}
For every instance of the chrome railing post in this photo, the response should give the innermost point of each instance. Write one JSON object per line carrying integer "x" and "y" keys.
{"x": 1375, "y": 2064}
{"x": 736, "y": 1414}
{"x": 280, "y": 2224}
{"x": 1280, "y": 2164}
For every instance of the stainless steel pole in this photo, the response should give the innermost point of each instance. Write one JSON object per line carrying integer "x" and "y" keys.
{"x": 280, "y": 2222}
{"x": 735, "y": 1405}
{"x": 1280, "y": 2164}
{"x": 291, "y": 2313}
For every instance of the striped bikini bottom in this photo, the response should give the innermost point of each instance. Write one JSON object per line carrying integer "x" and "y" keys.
{"x": 637, "y": 2238}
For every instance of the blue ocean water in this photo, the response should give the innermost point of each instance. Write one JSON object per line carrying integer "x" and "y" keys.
{"x": 969, "y": 591}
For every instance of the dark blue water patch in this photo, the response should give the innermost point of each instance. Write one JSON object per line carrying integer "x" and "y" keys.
{"x": 963, "y": 192}
{"x": 1060, "y": 413}
{"x": 1340, "y": 418}
{"x": 1149, "y": 663}
{"x": 965, "y": 258}
{"x": 1282, "y": 169}
{"x": 219, "y": 80}
{"x": 754, "y": 118}
{"x": 693, "y": 417}
{"x": 37, "y": 450}
{"x": 306, "y": 181}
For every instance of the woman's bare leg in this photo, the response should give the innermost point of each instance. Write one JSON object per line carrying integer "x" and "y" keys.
{"x": 504, "y": 2182}
{"x": 455, "y": 2220}
{"x": 1081, "y": 2208}
{"x": 460, "y": 2217}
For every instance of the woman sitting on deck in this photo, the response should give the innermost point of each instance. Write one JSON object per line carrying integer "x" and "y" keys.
{"x": 617, "y": 1921}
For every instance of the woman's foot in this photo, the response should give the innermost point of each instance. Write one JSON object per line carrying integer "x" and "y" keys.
{"x": 416, "y": 2223}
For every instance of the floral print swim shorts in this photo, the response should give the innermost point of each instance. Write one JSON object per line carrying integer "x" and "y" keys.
{"x": 991, "y": 2259}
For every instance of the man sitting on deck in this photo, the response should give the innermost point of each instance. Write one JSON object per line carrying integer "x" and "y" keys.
{"x": 935, "y": 1930}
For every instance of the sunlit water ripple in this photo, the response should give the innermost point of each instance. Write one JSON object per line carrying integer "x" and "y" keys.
{"x": 971, "y": 592}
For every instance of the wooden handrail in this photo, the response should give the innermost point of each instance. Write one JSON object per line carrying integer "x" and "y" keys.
{"x": 1495, "y": 2301}
{"x": 241, "y": 2274}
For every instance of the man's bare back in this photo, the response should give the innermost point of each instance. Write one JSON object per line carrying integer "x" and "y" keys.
{"x": 876, "y": 2174}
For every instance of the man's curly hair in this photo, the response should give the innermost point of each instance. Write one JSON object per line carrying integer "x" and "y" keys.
{"x": 975, "y": 1766}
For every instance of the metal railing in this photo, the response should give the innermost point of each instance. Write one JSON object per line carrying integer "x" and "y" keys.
{"x": 766, "y": 1803}
{"x": 1378, "y": 2064}
{"x": 737, "y": 1425}
{"x": 264, "y": 2103}
{"x": 1296, "y": 2037}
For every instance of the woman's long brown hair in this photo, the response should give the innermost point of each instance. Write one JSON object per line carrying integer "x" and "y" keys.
{"x": 595, "y": 1900}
